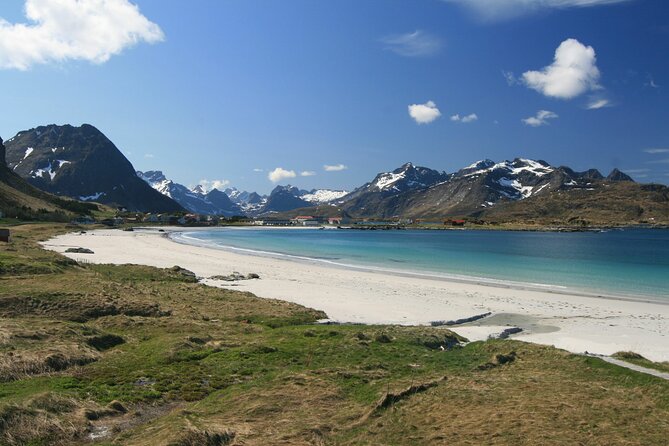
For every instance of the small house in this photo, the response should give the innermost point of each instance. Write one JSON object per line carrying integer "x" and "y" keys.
{"x": 300, "y": 219}
{"x": 458, "y": 222}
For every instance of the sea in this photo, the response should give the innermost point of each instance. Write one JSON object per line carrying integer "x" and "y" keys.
{"x": 618, "y": 263}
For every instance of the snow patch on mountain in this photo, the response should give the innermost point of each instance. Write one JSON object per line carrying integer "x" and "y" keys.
{"x": 323, "y": 195}
{"x": 514, "y": 167}
{"x": 386, "y": 180}
{"x": 524, "y": 191}
{"x": 50, "y": 169}
{"x": 93, "y": 197}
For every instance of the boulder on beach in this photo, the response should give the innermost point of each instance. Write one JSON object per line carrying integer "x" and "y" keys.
{"x": 235, "y": 276}
{"x": 79, "y": 250}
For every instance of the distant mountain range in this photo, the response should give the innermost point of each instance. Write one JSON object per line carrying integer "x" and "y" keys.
{"x": 194, "y": 200}
{"x": 420, "y": 192}
{"x": 235, "y": 202}
{"x": 522, "y": 190}
{"x": 80, "y": 162}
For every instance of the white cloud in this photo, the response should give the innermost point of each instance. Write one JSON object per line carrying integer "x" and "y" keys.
{"x": 573, "y": 72}
{"x": 91, "y": 30}
{"x": 540, "y": 119}
{"x": 258, "y": 170}
{"x": 424, "y": 113}
{"x": 656, "y": 151}
{"x": 334, "y": 167}
{"x": 415, "y": 44}
{"x": 597, "y": 103}
{"x": 209, "y": 185}
{"x": 307, "y": 173}
{"x": 280, "y": 174}
{"x": 504, "y": 9}
{"x": 465, "y": 119}
{"x": 149, "y": 155}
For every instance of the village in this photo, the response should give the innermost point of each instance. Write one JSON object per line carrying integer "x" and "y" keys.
{"x": 346, "y": 222}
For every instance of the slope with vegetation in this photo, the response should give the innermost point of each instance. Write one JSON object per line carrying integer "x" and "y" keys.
{"x": 136, "y": 355}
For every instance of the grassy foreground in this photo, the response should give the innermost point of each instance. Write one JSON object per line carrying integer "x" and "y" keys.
{"x": 93, "y": 354}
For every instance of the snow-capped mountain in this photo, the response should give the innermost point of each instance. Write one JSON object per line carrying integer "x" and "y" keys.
{"x": 416, "y": 191}
{"x": 517, "y": 179}
{"x": 250, "y": 203}
{"x": 195, "y": 200}
{"x": 404, "y": 179}
{"x": 81, "y": 163}
{"x": 321, "y": 196}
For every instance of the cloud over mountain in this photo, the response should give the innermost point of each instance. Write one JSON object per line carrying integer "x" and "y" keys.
{"x": 465, "y": 119}
{"x": 91, "y": 30}
{"x": 541, "y": 118}
{"x": 280, "y": 174}
{"x": 208, "y": 185}
{"x": 597, "y": 103}
{"x": 573, "y": 72}
{"x": 424, "y": 113}
{"x": 334, "y": 168}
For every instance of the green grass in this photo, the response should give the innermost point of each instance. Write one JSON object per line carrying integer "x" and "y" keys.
{"x": 197, "y": 362}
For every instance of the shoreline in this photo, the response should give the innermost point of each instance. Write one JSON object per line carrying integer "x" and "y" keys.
{"x": 574, "y": 322}
{"x": 177, "y": 236}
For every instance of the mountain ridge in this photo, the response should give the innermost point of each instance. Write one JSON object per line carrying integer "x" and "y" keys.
{"x": 19, "y": 199}
{"x": 195, "y": 200}
{"x": 81, "y": 163}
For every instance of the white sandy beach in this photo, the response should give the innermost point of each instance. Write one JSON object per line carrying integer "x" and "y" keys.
{"x": 572, "y": 322}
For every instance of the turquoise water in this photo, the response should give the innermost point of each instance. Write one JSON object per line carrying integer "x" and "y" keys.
{"x": 632, "y": 262}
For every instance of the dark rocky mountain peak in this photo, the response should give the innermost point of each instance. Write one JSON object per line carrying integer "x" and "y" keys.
{"x": 284, "y": 198}
{"x": 254, "y": 198}
{"x": 617, "y": 175}
{"x": 477, "y": 166}
{"x": 82, "y": 163}
{"x": 590, "y": 174}
{"x": 200, "y": 190}
{"x": 406, "y": 177}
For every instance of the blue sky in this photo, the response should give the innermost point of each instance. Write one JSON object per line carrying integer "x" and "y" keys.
{"x": 230, "y": 90}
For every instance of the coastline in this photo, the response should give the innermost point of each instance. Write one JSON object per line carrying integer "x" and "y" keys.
{"x": 571, "y": 321}
{"x": 178, "y": 234}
